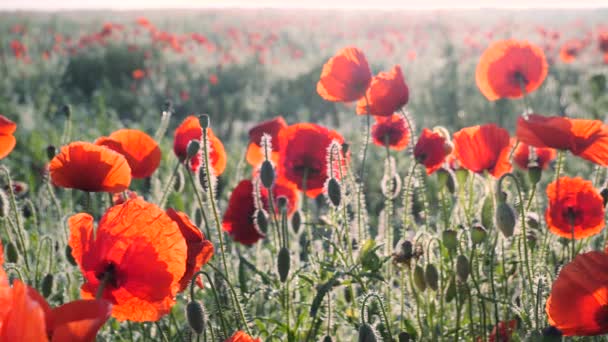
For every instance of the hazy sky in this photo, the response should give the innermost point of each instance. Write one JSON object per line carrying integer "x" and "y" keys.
{"x": 382, "y": 4}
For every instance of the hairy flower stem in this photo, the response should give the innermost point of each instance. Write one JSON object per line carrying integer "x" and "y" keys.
{"x": 215, "y": 297}
{"x": 366, "y": 141}
{"x": 199, "y": 199}
{"x": 407, "y": 193}
{"x": 167, "y": 190}
{"x": 19, "y": 225}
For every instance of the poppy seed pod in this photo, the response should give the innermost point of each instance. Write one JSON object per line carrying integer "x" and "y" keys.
{"x": 47, "y": 285}
{"x": 196, "y": 316}
{"x": 334, "y": 192}
{"x": 296, "y": 221}
{"x": 261, "y": 220}
{"x": 478, "y": 234}
{"x": 505, "y": 218}
{"x": 431, "y": 276}
{"x": 367, "y": 333}
{"x": 193, "y": 148}
{"x": 462, "y": 268}
{"x": 283, "y": 262}
{"x": 204, "y": 120}
{"x": 419, "y": 278}
{"x": 267, "y": 174}
{"x": 450, "y": 239}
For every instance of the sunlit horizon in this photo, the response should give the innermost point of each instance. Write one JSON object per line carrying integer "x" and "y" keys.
{"x": 310, "y": 4}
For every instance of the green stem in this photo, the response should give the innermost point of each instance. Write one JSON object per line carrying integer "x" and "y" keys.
{"x": 201, "y": 205}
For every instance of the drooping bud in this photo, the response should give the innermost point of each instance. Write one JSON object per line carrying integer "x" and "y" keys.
{"x": 11, "y": 252}
{"x": 334, "y": 192}
{"x": 68, "y": 255}
{"x": 205, "y": 121}
{"x": 505, "y": 218}
{"x": 261, "y": 220}
{"x": 450, "y": 291}
{"x": 51, "y": 151}
{"x": 462, "y": 268}
{"x": 419, "y": 278}
{"x": 367, "y": 333}
{"x": 283, "y": 263}
{"x": 487, "y": 212}
{"x": 267, "y": 174}
{"x": 445, "y": 179}
{"x": 431, "y": 276}
{"x": 534, "y": 174}
{"x": 193, "y": 148}
{"x": 478, "y": 234}
{"x": 296, "y": 221}
{"x": 196, "y": 316}
{"x": 178, "y": 184}
{"x": 47, "y": 285}
{"x": 242, "y": 275}
{"x": 449, "y": 238}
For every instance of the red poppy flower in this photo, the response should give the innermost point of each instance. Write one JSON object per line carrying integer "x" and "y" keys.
{"x": 89, "y": 167}
{"x": 484, "y": 147}
{"x": 7, "y": 140}
{"x": 238, "y": 219}
{"x": 578, "y": 302}
{"x": 587, "y": 139}
{"x": 542, "y": 156}
{"x": 503, "y": 332}
{"x": 191, "y": 129}
{"x": 387, "y": 93}
{"x": 392, "y": 131}
{"x": 345, "y": 77}
{"x": 603, "y": 42}
{"x": 255, "y": 153}
{"x": 304, "y": 156}
{"x": 138, "y": 74}
{"x": 140, "y": 150}
{"x": 506, "y": 65}
{"x": 574, "y": 204}
{"x": 431, "y": 150}
{"x": 200, "y": 250}
{"x": 570, "y": 50}
{"x": 241, "y": 336}
{"x": 140, "y": 254}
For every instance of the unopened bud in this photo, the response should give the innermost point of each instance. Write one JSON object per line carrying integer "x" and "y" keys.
{"x": 478, "y": 234}
{"x": 450, "y": 291}
{"x": 67, "y": 110}
{"x": 283, "y": 263}
{"x": 296, "y": 221}
{"x": 505, "y": 219}
{"x": 462, "y": 268}
{"x": 419, "y": 278}
{"x": 47, "y": 285}
{"x": 204, "y": 120}
{"x": 11, "y": 252}
{"x": 334, "y": 192}
{"x": 267, "y": 174}
{"x": 534, "y": 174}
{"x": 431, "y": 276}
{"x": 367, "y": 333}
{"x": 450, "y": 239}
{"x": 282, "y": 203}
{"x": 193, "y": 148}
{"x": 261, "y": 220}
{"x": 403, "y": 337}
{"x": 68, "y": 255}
{"x": 51, "y": 151}
{"x": 196, "y": 316}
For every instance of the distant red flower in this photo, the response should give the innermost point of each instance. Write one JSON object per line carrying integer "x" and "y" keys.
{"x": 144, "y": 22}
{"x": 241, "y": 336}
{"x": 138, "y": 251}
{"x": 19, "y": 50}
{"x": 138, "y": 74}
{"x": 140, "y": 150}
{"x": 200, "y": 250}
{"x": 570, "y": 50}
{"x": 587, "y": 139}
{"x": 485, "y": 147}
{"x": 213, "y": 79}
{"x": 503, "y": 332}
{"x": 574, "y": 204}
{"x": 506, "y": 65}
{"x": 7, "y": 140}
{"x": 387, "y": 93}
{"x": 190, "y": 129}
{"x": 238, "y": 219}
{"x": 542, "y": 156}
{"x": 345, "y": 77}
{"x": 431, "y": 150}
{"x": 603, "y": 42}
{"x": 89, "y": 167}
{"x": 304, "y": 156}
{"x": 255, "y": 153}
{"x": 392, "y": 131}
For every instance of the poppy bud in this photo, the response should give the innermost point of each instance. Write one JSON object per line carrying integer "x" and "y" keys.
{"x": 11, "y": 252}
{"x": 204, "y": 120}
{"x": 445, "y": 178}
{"x": 431, "y": 276}
{"x": 283, "y": 263}
{"x": 47, "y": 285}
{"x": 534, "y": 174}
{"x": 67, "y": 110}
{"x": 403, "y": 337}
{"x": 196, "y": 316}
{"x": 261, "y": 220}
{"x": 193, "y": 148}
{"x": 327, "y": 338}
{"x": 462, "y": 268}
{"x": 367, "y": 333}
{"x": 450, "y": 291}
{"x": 419, "y": 278}
{"x": 242, "y": 274}
{"x": 282, "y": 203}
{"x": 478, "y": 234}
{"x": 267, "y": 174}
{"x": 450, "y": 239}
{"x": 334, "y": 192}
{"x": 51, "y": 151}
{"x": 406, "y": 248}
{"x": 532, "y": 220}
{"x": 178, "y": 184}
{"x": 604, "y": 194}
{"x": 368, "y": 257}
{"x": 68, "y": 255}
{"x": 348, "y": 294}
{"x": 202, "y": 178}
{"x": 505, "y": 218}
{"x": 296, "y": 221}
{"x": 168, "y": 106}
{"x": 345, "y": 148}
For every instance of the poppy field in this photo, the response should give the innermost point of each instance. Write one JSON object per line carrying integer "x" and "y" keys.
{"x": 281, "y": 175}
